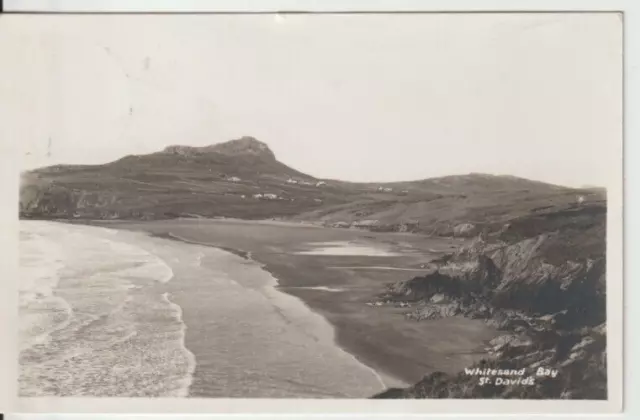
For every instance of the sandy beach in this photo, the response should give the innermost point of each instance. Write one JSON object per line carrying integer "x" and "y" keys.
{"x": 181, "y": 320}
{"x": 336, "y": 284}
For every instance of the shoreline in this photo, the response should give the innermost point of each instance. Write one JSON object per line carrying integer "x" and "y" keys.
{"x": 381, "y": 338}
{"x": 246, "y": 255}
{"x": 191, "y": 357}
{"x": 386, "y": 380}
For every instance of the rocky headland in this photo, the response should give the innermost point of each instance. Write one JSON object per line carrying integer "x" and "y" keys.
{"x": 542, "y": 282}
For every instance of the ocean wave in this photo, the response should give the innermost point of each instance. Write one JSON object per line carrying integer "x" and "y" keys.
{"x": 91, "y": 313}
{"x": 126, "y": 335}
{"x": 183, "y": 391}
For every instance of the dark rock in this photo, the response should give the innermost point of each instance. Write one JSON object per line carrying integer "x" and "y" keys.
{"x": 553, "y": 308}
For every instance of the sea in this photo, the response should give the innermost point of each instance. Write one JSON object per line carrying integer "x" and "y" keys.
{"x": 113, "y": 313}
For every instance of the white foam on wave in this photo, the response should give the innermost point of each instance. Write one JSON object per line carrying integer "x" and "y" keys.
{"x": 183, "y": 391}
{"x": 97, "y": 278}
{"x": 133, "y": 262}
{"x": 40, "y": 265}
{"x": 40, "y": 262}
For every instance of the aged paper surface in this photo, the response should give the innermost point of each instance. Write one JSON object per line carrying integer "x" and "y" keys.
{"x": 334, "y": 213}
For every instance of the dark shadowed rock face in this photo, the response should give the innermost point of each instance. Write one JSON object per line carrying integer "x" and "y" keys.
{"x": 553, "y": 310}
{"x": 458, "y": 279}
{"x": 524, "y": 276}
{"x": 579, "y": 359}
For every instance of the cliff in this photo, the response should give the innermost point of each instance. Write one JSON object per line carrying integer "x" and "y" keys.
{"x": 540, "y": 281}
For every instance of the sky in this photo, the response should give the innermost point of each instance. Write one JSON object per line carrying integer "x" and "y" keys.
{"x": 353, "y": 97}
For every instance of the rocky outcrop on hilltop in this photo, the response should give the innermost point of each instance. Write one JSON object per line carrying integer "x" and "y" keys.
{"x": 240, "y": 147}
{"x": 552, "y": 309}
{"x": 244, "y": 146}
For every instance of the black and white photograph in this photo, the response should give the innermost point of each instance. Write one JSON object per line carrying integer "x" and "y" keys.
{"x": 327, "y": 206}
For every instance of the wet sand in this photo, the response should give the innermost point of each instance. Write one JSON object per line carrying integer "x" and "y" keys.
{"x": 338, "y": 287}
{"x": 252, "y": 341}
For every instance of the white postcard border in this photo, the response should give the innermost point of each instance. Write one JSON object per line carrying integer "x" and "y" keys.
{"x": 9, "y": 170}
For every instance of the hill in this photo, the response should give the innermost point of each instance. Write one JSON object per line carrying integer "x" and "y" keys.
{"x": 212, "y": 181}
{"x": 243, "y": 179}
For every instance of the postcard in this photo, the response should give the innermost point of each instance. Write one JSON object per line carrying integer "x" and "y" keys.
{"x": 334, "y": 212}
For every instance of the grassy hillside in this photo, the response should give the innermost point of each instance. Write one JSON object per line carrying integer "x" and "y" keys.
{"x": 223, "y": 181}
{"x": 178, "y": 181}
{"x": 438, "y": 206}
